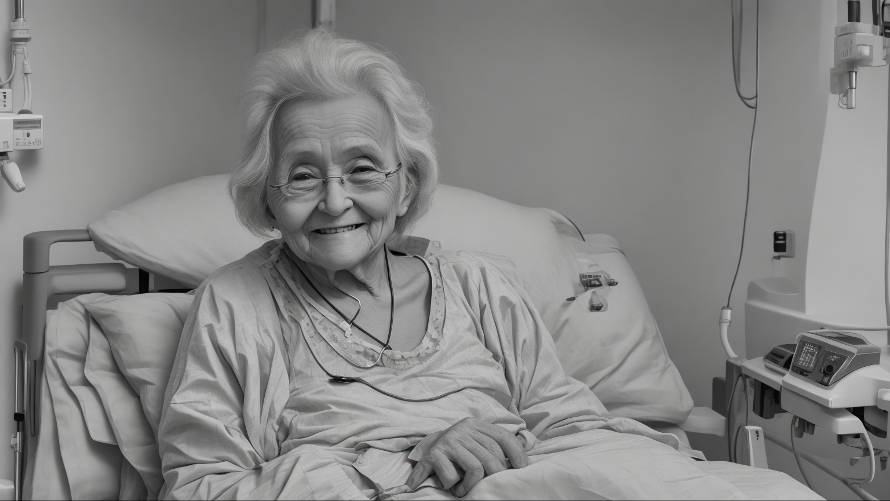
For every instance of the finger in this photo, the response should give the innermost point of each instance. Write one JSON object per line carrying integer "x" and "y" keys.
{"x": 491, "y": 457}
{"x": 511, "y": 446}
{"x": 494, "y": 447}
{"x": 445, "y": 470}
{"x": 472, "y": 468}
{"x": 419, "y": 473}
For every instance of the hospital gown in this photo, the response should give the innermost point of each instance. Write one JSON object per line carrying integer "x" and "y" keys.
{"x": 252, "y": 411}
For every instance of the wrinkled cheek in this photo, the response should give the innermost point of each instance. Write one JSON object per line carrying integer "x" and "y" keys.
{"x": 298, "y": 243}
{"x": 380, "y": 231}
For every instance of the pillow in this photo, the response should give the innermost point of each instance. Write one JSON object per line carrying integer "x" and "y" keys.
{"x": 129, "y": 367}
{"x": 618, "y": 351}
{"x": 182, "y": 231}
{"x": 143, "y": 333}
{"x": 462, "y": 219}
{"x": 91, "y": 461}
{"x": 121, "y": 405}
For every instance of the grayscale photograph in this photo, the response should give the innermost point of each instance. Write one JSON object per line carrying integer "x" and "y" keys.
{"x": 445, "y": 249}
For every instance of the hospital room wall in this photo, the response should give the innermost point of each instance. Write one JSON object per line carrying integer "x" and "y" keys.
{"x": 623, "y": 116}
{"x": 136, "y": 95}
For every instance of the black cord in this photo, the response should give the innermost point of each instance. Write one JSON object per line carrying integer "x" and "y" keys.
{"x": 730, "y": 445}
{"x": 736, "y": 52}
{"x": 746, "y": 100}
{"x": 337, "y": 379}
{"x": 392, "y": 302}
{"x": 745, "y": 216}
{"x": 580, "y": 233}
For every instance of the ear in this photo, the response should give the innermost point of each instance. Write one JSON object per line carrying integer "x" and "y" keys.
{"x": 408, "y": 193}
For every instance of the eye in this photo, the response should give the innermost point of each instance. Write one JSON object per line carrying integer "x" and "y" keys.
{"x": 363, "y": 165}
{"x": 302, "y": 174}
{"x": 363, "y": 169}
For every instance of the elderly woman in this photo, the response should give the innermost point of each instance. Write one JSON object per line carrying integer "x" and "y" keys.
{"x": 327, "y": 364}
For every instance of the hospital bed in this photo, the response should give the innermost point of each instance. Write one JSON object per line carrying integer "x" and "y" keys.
{"x": 98, "y": 339}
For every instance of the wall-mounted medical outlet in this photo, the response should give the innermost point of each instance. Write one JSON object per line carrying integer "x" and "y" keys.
{"x": 783, "y": 244}
{"x": 20, "y": 131}
{"x": 27, "y": 131}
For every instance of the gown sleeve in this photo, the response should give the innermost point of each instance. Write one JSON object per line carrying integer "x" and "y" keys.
{"x": 218, "y": 435}
{"x": 549, "y": 401}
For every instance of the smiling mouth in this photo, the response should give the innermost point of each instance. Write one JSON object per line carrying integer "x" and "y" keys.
{"x": 338, "y": 229}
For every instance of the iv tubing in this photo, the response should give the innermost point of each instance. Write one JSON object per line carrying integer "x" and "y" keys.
{"x": 725, "y": 320}
{"x": 887, "y": 238}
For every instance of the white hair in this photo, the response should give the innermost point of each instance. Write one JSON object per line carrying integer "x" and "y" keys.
{"x": 322, "y": 66}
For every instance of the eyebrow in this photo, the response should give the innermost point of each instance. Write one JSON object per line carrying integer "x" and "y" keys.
{"x": 302, "y": 153}
{"x": 363, "y": 150}
{"x": 301, "y": 156}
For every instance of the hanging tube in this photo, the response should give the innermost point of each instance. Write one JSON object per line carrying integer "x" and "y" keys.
{"x": 19, "y": 9}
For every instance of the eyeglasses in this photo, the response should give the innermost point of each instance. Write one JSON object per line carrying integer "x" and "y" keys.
{"x": 358, "y": 180}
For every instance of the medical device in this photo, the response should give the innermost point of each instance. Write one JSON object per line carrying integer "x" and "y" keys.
{"x": 857, "y": 45}
{"x": 835, "y": 376}
{"x": 18, "y": 131}
{"x": 22, "y": 130}
{"x": 779, "y": 358}
{"x": 826, "y": 357}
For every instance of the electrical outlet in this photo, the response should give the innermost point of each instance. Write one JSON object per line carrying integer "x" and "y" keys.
{"x": 783, "y": 244}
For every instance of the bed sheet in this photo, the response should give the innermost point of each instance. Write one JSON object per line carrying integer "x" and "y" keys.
{"x": 73, "y": 428}
{"x": 51, "y": 482}
{"x": 601, "y": 464}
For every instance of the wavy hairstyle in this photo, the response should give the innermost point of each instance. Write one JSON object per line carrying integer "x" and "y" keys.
{"x": 322, "y": 66}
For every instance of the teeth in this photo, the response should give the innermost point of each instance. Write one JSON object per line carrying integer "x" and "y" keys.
{"x": 341, "y": 229}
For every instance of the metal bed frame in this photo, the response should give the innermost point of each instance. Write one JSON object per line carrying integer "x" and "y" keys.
{"x": 43, "y": 283}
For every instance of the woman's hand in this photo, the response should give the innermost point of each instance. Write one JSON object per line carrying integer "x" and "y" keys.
{"x": 465, "y": 453}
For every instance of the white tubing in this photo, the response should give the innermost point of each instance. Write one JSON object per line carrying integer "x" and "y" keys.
{"x": 725, "y": 320}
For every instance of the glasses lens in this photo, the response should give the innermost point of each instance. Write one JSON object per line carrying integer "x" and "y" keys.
{"x": 365, "y": 177}
{"x": 303, "y": 184}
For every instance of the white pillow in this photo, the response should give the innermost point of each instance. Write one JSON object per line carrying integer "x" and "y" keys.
{"x": 91, "y": 459}
{"x": 141, "y": 337}
{"x": 618, "y": 350}
{"x": 462, "y": 219}
{"x": 182, "y": 231}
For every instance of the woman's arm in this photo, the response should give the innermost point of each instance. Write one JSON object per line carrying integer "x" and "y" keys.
{"x": 218, "y": 432}
{"x": 549, "y": 401}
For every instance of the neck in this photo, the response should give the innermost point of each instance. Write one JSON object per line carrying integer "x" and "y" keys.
{"x": 369, "y": 277}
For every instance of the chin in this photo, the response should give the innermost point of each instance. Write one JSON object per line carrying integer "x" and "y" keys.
{"x": 337, "y": 263}
{"x": 338, "y": 258}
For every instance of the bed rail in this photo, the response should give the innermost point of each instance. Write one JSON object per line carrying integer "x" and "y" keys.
{"x": 41, "y": 281}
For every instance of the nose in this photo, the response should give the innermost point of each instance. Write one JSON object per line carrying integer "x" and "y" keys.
{"x": 335, "y": 200}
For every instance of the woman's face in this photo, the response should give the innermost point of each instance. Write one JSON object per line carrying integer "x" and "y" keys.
{"x": 335, "y": 228}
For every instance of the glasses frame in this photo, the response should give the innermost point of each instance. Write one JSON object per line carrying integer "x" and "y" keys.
{"x": 342, "y": 178}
